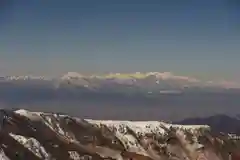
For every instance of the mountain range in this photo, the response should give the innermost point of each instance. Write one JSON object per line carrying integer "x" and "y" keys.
{"x": 150, "y": 83}
{"x": 53, "y": 136}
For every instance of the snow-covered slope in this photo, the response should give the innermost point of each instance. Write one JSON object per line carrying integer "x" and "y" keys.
{"x": 35, "y": 135}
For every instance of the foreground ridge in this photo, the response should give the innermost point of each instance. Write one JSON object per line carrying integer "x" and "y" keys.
{"x": 51, "y": 136}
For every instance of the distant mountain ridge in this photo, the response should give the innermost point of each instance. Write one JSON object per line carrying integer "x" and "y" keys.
{"x": 131, "y": 83}
{"x": 218, "y": 123}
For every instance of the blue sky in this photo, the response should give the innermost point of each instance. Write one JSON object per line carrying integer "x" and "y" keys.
{"x": 187, "y": 37}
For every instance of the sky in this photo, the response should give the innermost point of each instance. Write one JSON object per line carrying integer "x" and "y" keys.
{"x": 187, "y": 37}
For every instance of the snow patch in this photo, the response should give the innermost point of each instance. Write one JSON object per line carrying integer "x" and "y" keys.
{"x": 32, "y": 144}
{"x": 3, "y": 156}
{"x": 53, "y": 124}
{"x": 30, "y": 115}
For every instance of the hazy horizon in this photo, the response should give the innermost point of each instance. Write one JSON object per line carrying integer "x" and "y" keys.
{"x": 120, "y": 106}
{"x": 192, "y": 38}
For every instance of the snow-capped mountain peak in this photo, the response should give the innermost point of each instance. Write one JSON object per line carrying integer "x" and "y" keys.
{"x": 28, "y": 77}
{"x": 72, "y": 75}
{"x": 138, "y": 82}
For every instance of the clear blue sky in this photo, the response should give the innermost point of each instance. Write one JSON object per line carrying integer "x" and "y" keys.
{"x": 187, "y": 37}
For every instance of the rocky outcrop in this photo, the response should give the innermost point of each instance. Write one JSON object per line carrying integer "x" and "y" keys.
{"x": 34, "y": 136}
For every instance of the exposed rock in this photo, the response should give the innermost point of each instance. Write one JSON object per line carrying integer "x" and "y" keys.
{"x": 35, "y": 135}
